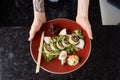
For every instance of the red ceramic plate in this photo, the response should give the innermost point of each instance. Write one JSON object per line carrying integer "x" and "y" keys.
{"x": 55, "y": 66}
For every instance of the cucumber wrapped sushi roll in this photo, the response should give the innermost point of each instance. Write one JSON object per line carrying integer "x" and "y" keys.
{"x": 53, "y": 46}
{"x": 73, "y": 39}
{"x": 65, "y": 41}
{"x": 49, "y": 53}
{"x": 47, "y": 49}
{"x": 60, "y": 45}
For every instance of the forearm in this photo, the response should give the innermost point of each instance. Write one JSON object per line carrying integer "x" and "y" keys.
{"x": 82, "y": 9}
{"x": 39, "y": 11}
{"x": 38, "y": 6}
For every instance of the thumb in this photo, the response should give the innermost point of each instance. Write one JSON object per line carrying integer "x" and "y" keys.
{"x": 32, "y": 33}
{"x": 89, "y": 32}
{"x": 34, "y": 28}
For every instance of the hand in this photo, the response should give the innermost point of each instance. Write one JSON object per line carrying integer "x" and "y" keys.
{"x": 39, "y": 19}
{"x": 84, "y": 22}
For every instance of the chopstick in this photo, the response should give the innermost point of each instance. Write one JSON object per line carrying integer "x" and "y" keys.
{"x": 39, "y": 54}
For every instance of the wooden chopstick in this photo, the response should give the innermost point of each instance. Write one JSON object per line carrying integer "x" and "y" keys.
{"x": 39, "y": 54}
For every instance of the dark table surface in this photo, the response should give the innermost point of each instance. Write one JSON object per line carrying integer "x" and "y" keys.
{"x": 16, "y": 62}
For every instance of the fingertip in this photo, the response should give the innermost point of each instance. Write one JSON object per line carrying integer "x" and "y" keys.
{"x": 29, "y": 39}
{"x": 91, "y": 37}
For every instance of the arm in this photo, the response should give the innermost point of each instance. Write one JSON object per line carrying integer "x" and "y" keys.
{"x": 82, "y": 16}
{"x": 39, "y": 17}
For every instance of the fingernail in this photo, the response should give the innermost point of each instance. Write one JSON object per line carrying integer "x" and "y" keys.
{"x": 29, "y": 39}
{"x": 91, "y": 37}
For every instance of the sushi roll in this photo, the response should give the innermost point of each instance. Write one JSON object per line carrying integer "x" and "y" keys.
{"x": 65, "y": 41}
{"x": 60, "y": 45}
{"x": 47, "y": 49}
{"x": 53, "y": 46}
{"x": 73, "y": 39}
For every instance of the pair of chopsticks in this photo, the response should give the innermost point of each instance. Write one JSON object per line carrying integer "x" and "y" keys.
{"x": 39, "y": 54}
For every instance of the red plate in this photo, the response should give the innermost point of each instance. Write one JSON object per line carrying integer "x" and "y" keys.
{"x": 55, "y": 66}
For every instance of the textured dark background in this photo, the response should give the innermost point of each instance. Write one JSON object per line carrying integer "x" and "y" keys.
{"x": 16, "y": 62}
{"x": 20, "y": 12}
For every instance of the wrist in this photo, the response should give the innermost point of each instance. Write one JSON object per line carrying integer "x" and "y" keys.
{"x": 81, "y": 17}
{"x": 39, "y": 17}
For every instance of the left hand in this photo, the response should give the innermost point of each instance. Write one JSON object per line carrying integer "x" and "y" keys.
{"x": 84, "y": 22}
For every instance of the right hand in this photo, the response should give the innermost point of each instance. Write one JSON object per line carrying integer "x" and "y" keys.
{"x": 39, "y": 19}
{"x": 85, "y": 24}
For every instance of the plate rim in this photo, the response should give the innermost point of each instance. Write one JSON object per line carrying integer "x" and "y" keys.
{"x": 66, "y": 72}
